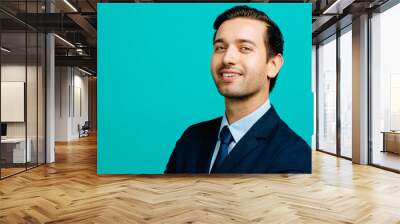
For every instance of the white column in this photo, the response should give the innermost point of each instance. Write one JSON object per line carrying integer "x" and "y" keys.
{"x": 314, "y": 92}
{"x": 50, "y": 99}
{"x": 50, "y": 92}
{"x": 360, "y": 90}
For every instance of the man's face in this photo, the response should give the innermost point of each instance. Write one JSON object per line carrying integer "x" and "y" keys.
{"x": 239, "y": 61}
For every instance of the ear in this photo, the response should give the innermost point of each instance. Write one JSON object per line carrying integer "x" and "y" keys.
{"x": 274, "y": 64}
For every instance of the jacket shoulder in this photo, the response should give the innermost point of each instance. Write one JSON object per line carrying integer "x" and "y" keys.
{"x": 205, "y": 126}
{"x": 293, "y": 150}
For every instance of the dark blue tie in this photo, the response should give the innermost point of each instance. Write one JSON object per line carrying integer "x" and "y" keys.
{"x": 225, "y": 138}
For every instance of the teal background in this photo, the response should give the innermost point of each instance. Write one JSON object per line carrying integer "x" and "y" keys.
{"x": 154, "y": 78}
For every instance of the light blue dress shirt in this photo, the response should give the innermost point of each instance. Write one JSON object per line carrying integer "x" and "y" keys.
{"x": 239, "y": 128}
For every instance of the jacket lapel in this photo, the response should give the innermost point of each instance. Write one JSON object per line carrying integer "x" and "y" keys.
{"x": 262, "y": 129}
{"x": 207, "y": 146}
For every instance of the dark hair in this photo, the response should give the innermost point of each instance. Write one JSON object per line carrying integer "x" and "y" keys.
{"x": 273, "y": 36}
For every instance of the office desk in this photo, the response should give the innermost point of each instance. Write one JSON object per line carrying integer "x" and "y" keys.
{"x": 391, "y": 141}
{"x": 15, "y": 148}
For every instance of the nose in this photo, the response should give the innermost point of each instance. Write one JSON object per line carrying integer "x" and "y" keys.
{"x": 230, "y": 56}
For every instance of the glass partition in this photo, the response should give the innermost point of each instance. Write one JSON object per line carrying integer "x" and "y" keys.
{"x": 33, "y": 73}
{"x": 32, "y": 95}
{"x": 22, "y": 77}
{"x": 14, "y": 153}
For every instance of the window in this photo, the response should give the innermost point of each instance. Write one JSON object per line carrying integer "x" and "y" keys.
{"x": 327, "y": 95}
{"x": 385, "y": 89}
{"x": 346, "y": 92}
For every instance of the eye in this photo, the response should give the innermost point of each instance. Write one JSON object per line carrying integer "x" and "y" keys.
{"x": 219, "y": 48}
{"x": 245, "y": 49}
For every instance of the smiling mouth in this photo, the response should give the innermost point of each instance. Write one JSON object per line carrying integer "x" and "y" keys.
{"x": 230, "y": 75}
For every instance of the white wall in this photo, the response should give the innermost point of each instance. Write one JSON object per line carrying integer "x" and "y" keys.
{"x": 62, "y": 81}
{"x": 71, "y": 102}
{"x": 33, "y": 126}
{"x": 80, "y": 110}
{"x": 16, "y": 72}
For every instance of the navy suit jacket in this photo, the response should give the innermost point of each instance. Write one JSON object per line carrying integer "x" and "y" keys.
{"x": 269, "y": 146}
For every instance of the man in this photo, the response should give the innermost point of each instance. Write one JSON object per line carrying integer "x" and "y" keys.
{"x": 250, "y": 137}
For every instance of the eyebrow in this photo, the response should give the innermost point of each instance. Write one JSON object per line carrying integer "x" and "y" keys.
{"x": 220, "y": 40}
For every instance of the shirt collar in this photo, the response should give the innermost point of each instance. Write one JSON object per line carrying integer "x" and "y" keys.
{"x": 239, "y": 128}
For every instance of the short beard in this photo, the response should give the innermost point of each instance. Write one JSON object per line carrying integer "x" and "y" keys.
{"x": 234, "y": 96}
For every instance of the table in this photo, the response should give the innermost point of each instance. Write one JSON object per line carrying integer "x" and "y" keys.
{"x": 391, "y": 141}
{"x": 15, "y": 148}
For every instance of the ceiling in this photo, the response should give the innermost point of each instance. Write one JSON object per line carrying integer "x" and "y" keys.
{"x": 329, "y": 16}
{"x": 74, "y": 21}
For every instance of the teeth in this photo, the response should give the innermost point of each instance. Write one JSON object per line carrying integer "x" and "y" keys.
{"x": 230, "y": 74}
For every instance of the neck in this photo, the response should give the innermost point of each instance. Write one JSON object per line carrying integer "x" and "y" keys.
{"x": 236, "y": 109}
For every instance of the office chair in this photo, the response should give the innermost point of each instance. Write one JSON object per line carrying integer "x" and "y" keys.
{"x": 84, "y": 130}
